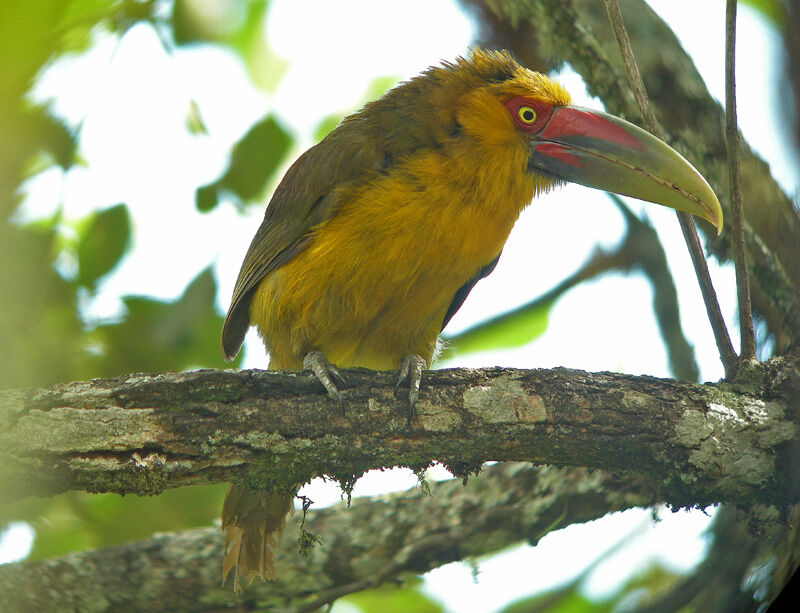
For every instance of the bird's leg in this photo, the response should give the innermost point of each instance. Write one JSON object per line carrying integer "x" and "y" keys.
{"x": 411, "y": 368}
{"x": 326, "y": 373}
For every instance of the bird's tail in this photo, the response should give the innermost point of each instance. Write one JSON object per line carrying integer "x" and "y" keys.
{"x": 253, "y": 520}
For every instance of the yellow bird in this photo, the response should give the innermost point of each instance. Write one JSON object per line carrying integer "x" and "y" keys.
{"x": 376, "y": 235}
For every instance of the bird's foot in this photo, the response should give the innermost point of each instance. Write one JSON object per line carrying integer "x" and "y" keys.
{"x": 326, "y": 373}
{"x": 411, "y": 368}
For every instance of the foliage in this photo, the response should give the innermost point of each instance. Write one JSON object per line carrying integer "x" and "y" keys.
{"x": 105, "y": 238}
{"x": 163, "y": 335}
{"x": 571, "y": 598}
{"x": 40, "y": 331}
{"x": 512, "y": 329}
{"x": 54, "y": 266}
{"x": 76, "y": 520}
{"x": 772, "y": 10}
{"x": 266, "y": 142}
{"x": 392, "y": 599}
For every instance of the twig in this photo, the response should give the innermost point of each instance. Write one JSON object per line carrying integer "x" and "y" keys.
{"x": 748, "y": 347}
{"x": 727, "y": 353}
{"x": 724, "y": 345}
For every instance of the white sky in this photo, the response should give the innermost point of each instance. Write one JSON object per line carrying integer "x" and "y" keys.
{"x": 133, "y": 92}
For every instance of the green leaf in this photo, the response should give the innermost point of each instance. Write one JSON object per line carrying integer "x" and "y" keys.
{"x": 254, "y": 160}
{"x": 157, "y": 335}
{"x": 194, "y": 120}
{"x": 512, "y": 329}
{"x": 390, "y": 599}
{"x": 187, "y": 24}
{"x": 40, "y": 331}
{"x": 252, "y": 28}
{"x": 237, "y": 25}
{"x": 31, "y": 141}
{"x": 32, "y": 33}
{"x": 772, "y": 10}
{"x": 222, "y": 23}
{"x": 205, "y": 198}
{"x": 76, "y": 521}
{"x": 571, "y": 601}
{"x": 80, "y": 17}
{"x": 102, "y": 244}
{"x": 51, "y": 136}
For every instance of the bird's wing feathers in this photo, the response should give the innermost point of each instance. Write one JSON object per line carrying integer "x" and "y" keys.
{"x": 307, "y": 196}
{"x": 464, "y": 290}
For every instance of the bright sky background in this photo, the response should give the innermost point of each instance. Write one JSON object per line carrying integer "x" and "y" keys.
{"x": 133, "y": 92}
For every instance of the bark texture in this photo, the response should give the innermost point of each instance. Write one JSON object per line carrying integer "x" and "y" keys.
{"x": 372, "y": 541}
{"x": 695, "y": 444}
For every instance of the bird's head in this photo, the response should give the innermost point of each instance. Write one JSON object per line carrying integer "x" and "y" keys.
{"x": 498, "y": 103}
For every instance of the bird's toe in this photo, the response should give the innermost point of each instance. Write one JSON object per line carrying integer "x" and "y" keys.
{"x": 411, "y": 369}
{"x": 325, "y": 372}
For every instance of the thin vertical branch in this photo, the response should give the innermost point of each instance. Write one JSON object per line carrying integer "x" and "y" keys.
{"x": 748, "y": 351}
{"x": 726, "y": 352}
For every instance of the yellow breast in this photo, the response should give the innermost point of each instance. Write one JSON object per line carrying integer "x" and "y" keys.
{"x": 375, "y": 281}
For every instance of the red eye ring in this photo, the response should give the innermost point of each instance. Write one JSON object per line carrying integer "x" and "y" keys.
{"x": 520, "y": 108}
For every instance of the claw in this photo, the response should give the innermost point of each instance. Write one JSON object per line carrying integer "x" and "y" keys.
{"x": 411, "y": 368}
{"x": 326, "y": 373}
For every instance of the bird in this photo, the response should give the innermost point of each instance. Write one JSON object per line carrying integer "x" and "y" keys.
{"x": 377, "y": 234}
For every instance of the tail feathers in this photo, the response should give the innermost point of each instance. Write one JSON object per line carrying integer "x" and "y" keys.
{"x": 253, "y": 521}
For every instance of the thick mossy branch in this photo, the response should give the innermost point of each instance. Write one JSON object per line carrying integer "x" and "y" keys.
{"x": 694, "y": 444}
{"x": 373, "y": 540}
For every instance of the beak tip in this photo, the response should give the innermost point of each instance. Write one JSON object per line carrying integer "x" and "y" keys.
{"x": 718, "y": 219}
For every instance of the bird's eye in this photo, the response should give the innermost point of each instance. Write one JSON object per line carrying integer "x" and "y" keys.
{"x": 526, "y": 114}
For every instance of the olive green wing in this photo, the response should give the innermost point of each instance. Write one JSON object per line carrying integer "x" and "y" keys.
{"x": 370, "y": 141}
{"x": 308, "y": 195}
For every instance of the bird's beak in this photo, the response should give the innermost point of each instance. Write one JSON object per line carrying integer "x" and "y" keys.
{"x": 605, "y": 152}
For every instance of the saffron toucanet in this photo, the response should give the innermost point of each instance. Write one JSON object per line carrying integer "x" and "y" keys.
{"x": 376, "y": 235}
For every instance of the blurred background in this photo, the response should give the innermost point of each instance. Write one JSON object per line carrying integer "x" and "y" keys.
{"x": 139, "y": 144}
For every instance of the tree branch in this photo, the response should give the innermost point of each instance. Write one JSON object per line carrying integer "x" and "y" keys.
{"x": 695, "y": 444}
{"x": 376, "y": 539}
{"x": 748, "y": 343}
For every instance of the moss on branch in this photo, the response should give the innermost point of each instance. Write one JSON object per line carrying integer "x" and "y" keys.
{"x": 695, "y": 444}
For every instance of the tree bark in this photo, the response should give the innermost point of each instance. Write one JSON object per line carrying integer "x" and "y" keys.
{"x": 695, "y": 444}
{"x": 362, "y": 546}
